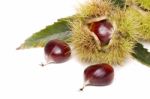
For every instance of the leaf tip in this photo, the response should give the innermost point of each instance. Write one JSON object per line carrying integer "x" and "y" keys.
{"x": 18, "y": 48}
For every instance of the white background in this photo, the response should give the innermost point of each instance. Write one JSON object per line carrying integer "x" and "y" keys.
{"x": 22, "y": 78}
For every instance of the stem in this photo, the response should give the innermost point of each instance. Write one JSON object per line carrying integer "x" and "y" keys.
{"x": 84, "y": 85}
{"x": 45, "y": 64}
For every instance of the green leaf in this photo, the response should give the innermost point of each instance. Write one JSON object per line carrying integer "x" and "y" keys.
{"x": 120, "y": 3}
{"x": 58, "y": 30}
{"x": 141, "y": 54}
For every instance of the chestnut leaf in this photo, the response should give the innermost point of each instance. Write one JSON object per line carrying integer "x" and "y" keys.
{"x": 58, "y": 30}
{"x": 141, "y": 54}
{"x": 119, "y": 3}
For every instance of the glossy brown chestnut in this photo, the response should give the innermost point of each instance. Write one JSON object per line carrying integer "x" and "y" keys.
{"x": 98, "y": 75}
{"x": 103, "y": 30}
{"x": 57, "y": 51}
